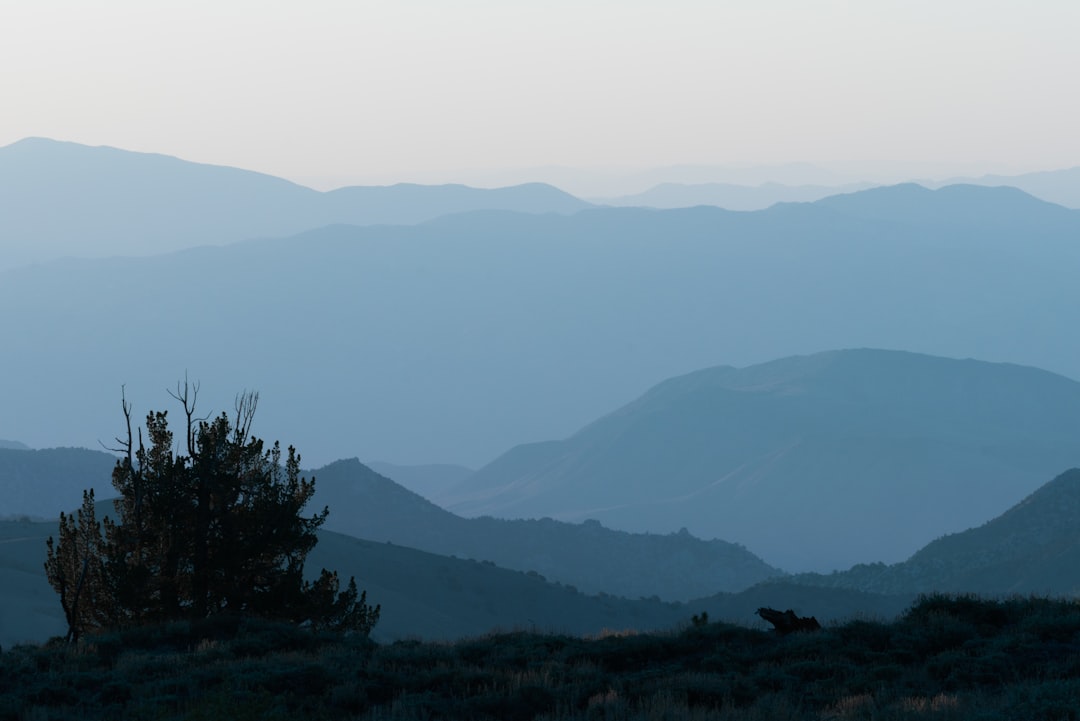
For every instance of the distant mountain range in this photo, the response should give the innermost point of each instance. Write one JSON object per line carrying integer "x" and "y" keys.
{"x": 44, "y": 482}
{"x": 729, "y": 196}
{"x": 1055, "y": 186}
{"x": 63, "y": 199}
{"x": 455, "y": 339}
{"x": 594, "y": 559}
{"x": 814, "y": 462}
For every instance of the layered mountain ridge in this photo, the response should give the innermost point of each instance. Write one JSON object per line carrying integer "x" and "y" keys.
{"x": 594, "y": 559}
{"x": 62, "y": 199}
{"x": 541, "y": 322}
{"x": 812, "y": 461}
{"x": 364, "y": 504}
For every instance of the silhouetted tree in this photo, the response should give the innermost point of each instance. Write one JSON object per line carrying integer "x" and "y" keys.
{"x": 216, "y": 529}
{"x": 75, "y": 568}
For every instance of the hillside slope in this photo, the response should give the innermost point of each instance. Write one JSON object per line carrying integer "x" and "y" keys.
{"x": 422, "y": 595}
{"x": 815, "y": 462}
{"x": 594, "y": 559}
{"x": 367, "y": 505}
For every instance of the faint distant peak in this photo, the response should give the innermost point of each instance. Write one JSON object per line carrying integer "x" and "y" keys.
{"x": 41, "y": 157}
{"x": 918, "y": 191}
{"x": 912, "y": 203}
{"x": 30, "y": 142}
{"x": 36, "y": 141}
{"x": 870, "y": 369}
{"x": 524, "y": 193}
{"x": 36, "y": 144}
{"x": 730, "y": 196}
{"x": 1060, "y": 186}
{"x": 13, "y": 445}
{"x": 112, "y": 159}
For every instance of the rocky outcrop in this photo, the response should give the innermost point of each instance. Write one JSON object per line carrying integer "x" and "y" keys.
{"x": 786, "y": 622}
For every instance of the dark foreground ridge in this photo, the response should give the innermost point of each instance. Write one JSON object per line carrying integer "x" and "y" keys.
{"x": 954, "y": 657}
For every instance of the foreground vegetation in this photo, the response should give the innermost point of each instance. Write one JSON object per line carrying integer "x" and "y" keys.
{"x": 947, "y": 658}
{"x": 217, "y": 527}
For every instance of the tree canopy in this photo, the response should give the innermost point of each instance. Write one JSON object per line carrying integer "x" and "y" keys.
{"x": 217, "y": 527}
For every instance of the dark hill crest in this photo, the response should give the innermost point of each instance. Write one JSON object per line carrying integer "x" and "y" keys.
{"x": 585, "y": 555}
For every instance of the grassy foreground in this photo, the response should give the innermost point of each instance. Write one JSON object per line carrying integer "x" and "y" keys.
{"x": 949, "y": 657}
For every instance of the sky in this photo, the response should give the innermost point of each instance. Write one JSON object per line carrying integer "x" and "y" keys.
{"x": 330, "y": 93}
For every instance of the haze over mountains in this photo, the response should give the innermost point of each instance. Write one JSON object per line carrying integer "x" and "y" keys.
{"x": 449, "y": 326}
{"x": 427, "y": 480}
{"x": 728, "y": 195}
{"x": 1033, "y": 548}
{"x": 42, "y": 483}
{"x": 1054, "y": 186}
{"x": 455, "y": 339}
{"x": 63, "y": 199}
{"x": 594, "y": 559}
{"x": 815, "y": 462}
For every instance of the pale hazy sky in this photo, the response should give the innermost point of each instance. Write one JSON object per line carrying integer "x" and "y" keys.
{"x": 328, "y": 93}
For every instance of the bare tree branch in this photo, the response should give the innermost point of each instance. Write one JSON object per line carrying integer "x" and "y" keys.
{"x": 125, "y": 447}
{"x": 245, "y": 405}
{"x": 188, "y": 395}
